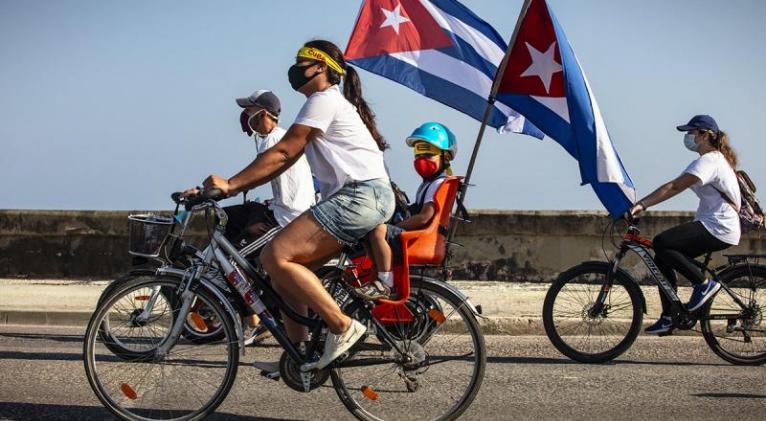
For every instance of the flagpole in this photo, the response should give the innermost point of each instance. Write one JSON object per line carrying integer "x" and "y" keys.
{"x": 487, "y": 112}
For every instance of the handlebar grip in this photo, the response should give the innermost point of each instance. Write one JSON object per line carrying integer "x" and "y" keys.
{"x": 214, "y": 194}
{"x": 176, "y": 197}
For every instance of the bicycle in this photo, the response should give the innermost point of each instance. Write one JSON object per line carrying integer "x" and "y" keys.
{"x": 593, "y": 311}
{"x": 170, "y": 250}
{"x": 379, "y": 378}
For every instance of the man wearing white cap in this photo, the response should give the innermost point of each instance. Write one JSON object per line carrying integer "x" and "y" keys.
{"x": 293, "y": 190}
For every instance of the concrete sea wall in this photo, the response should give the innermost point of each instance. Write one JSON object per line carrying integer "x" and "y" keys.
{"x": 497, "y": 245}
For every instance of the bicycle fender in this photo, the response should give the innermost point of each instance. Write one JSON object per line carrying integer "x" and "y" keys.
{"x": 620, "y": 272}
{"x": 453, "y": 289}
{"x": 210, "y": 287}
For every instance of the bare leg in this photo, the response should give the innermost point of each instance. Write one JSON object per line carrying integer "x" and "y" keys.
{"x": 381, "y": 251}
{"x": 303, "y": 242}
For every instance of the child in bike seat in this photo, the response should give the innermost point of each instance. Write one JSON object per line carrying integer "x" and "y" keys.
{"x": 434, "y": 146}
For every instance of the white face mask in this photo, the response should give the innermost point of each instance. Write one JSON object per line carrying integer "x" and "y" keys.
{"x": 690, "y": 143}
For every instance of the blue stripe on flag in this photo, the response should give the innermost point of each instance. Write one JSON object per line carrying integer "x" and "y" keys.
{"x": 434, "y": 87}
{"x": 462, "y": 13}
{"x": 465, "y": 52}
{"x": 556, "y": 127}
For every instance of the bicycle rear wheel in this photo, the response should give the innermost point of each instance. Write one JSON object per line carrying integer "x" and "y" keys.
{"x": 736, "y": 333}
{"x": 187, "y": 383}
{"x": 573, "y": 327}
{"x": 439, "y": 372}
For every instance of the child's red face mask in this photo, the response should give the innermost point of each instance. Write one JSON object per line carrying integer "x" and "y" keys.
{"x": 427, "y": 166}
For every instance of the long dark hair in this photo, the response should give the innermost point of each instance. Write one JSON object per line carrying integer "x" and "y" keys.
{"x": 352, "y": 88}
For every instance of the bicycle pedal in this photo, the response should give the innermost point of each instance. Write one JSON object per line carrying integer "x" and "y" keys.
{"x": 271, "y": 376}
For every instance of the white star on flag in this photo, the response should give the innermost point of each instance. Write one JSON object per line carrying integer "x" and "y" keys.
{"x": 394, "y": 18}
{"x": 543, "y": 65}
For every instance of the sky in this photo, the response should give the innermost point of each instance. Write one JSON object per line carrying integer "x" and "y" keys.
{"x": 109, "y": 104}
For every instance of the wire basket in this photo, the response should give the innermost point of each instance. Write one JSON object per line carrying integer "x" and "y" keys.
{"x": 147, "y": 234}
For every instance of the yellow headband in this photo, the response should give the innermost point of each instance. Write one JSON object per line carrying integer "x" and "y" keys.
{"x": 425, "y": 148}
{"x": 319, "y": 55}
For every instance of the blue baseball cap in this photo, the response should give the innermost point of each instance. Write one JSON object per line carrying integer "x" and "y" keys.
{"x": 699, "y": 122}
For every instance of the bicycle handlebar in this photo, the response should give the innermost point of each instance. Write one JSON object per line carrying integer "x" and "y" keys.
{"x": 191, "y": 201}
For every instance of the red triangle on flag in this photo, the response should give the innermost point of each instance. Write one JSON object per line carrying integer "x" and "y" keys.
{"x": 534, "y": 65}
{"x": 394, "y": 26}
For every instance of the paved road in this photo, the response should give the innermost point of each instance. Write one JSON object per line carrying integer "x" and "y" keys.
{"x": 660, "y": 378}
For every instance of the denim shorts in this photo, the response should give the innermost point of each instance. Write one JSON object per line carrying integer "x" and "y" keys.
{"x": 354, "y": 210}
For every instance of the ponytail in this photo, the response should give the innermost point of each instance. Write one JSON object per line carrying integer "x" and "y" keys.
{"x": 352, "y": 88}
{"x": 720, "y": 141}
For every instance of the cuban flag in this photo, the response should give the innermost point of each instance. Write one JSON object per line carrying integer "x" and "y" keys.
{"x": 544, "y": 81}
{"x": 438, "y": 48}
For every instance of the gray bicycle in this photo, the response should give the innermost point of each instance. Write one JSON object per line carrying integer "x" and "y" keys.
{"x": 430, "y": 353}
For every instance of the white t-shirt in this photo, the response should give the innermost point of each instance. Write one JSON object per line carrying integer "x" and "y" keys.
{"x": 293, "y": 190}
{"x": 427, "y": 190}
{"x": 716, "y": 214}
{"x": 345, "y": 151}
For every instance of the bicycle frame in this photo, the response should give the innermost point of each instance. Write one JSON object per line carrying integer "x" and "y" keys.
{"x": 222, "y": 252}
{"x": 632, "y": 241}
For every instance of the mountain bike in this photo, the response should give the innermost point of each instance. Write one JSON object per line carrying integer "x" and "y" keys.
{"x": 419, "y": 354}
{"x": 593, "y": 311}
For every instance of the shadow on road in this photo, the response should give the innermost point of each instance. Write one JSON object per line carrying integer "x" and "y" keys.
{"x": 44, "y": 336}
{"x": 729, "y": 395}
{"x": 543, "y": 360}
{"x": 44, "y": 411}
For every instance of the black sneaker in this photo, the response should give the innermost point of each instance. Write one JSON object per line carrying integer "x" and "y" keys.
{"x": 663, "y": 325}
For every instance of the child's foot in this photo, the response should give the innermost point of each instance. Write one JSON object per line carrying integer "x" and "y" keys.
{"x": 372, "y": 291}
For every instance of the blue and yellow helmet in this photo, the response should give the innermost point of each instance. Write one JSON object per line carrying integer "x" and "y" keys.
{"x": 437, "y": 135}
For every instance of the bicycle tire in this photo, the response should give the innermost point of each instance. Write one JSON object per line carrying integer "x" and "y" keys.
{"x": 116, "y": 346}
{"x": 585, "y": 299}
{"x": 94, "y": 366}
{"x": 723, "y": 336}
{"x": 358, "y": 400}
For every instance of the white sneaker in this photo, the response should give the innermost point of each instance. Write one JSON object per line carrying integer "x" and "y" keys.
{"x": 269, "y": 369}
{"x": 336, "y": 345}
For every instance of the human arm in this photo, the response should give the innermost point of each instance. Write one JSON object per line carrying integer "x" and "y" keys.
{"x": 664, "y": 192}
{"x": 419, "y": 220}
{"x": 269, "y": 164}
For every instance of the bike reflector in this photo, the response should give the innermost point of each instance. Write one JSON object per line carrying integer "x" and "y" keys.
{"x": 369, "y": 393}
{"x": 198, "y": 322}
{"x": 128, "y": 391}
{"x": 437, "y": 316}
{"x": 141, "y": 298}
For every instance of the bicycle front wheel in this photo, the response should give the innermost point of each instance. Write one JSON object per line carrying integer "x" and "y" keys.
{"x": 436, "y": 375}
{"x": 737, "y": 332}
{"x": 582, "y": 331}
{"x": 186, "y": 383}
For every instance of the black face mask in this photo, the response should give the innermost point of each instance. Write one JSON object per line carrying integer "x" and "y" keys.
{"x": 297, "y": 76}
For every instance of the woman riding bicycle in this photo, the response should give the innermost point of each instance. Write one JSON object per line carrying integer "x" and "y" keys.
{"x": 716, "y": 224}
{"x": 336, "y": 129}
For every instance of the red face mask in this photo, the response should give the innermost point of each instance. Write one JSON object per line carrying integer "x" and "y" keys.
{"x": 425, "y": 167}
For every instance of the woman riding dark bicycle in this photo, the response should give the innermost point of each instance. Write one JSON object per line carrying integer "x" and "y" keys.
{"x": 716, "y": 224}
{"x": 336, "y": 130}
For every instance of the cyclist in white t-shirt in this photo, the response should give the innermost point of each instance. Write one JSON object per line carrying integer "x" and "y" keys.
{"x": 716, "y": 225}
{"x": 336, "y": 130}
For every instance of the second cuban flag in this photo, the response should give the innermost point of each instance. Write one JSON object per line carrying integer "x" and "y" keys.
{"x": 544, "y": 81}
{"x": 438, "y": 48}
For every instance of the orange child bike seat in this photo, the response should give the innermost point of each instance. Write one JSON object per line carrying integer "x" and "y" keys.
{"x": 427, "y": 246}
